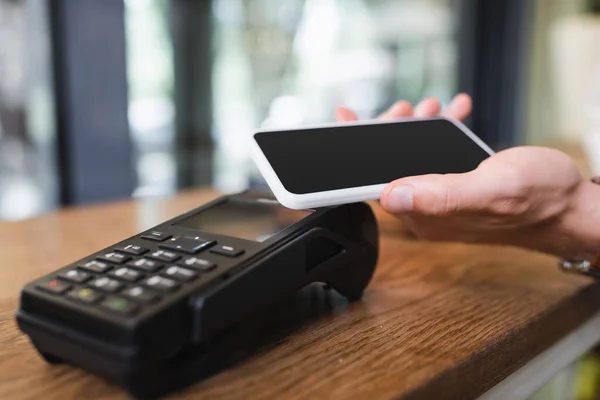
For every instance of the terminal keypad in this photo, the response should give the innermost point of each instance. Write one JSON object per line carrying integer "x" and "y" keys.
{"x": 126, "y": 277}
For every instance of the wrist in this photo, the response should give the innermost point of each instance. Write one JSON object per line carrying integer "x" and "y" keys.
{"x": 580, "y": 226}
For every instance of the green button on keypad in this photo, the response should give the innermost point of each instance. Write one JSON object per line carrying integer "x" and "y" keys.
{"x": 119, "y": 304}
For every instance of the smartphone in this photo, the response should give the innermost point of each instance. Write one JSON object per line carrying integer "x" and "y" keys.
{"x": 347, "y": 162}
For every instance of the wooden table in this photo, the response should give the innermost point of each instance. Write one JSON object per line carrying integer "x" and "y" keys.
{"x": 440, "y": 320}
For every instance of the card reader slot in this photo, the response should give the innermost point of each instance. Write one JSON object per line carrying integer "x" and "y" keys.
{"x": 320, "y": 250}
{"x": 290, "y": 268}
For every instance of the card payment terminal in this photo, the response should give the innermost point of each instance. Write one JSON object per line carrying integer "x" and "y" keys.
{"x": 151, "y": 311}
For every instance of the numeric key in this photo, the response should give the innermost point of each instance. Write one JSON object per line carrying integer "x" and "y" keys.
{"x": 180, "y": 274}
{"x": 199, "y": 264}
{"x": 140, "y": 294}
{"x": 95, "y": 266}
{"x": 145, "y": 265}
{"x": 166, "y": 256}
{"x": 127, "y": 274}
{"x": 161, "y": 284}
{"x": 132, "y": 249}
{"x": 105, "y": 284}
{"x": 75, "y": 276}
{"x": 115, "y": 258}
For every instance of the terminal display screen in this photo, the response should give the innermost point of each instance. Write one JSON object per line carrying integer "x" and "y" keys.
{"x": 257, "y": 221}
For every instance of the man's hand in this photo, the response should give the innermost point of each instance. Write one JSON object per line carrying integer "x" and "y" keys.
{"x": 531, "y": 197}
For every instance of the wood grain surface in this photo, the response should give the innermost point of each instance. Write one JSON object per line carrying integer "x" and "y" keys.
{"x": 439, "y": 320}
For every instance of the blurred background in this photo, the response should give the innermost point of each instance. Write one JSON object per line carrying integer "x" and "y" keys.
{"x": 103, "y": 100}
{"x": 113, "y": 99}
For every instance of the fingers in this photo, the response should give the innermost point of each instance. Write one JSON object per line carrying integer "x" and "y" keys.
{"x": 400, "y": 109}
{"x": 435, "y": 195}
{"x": 428, "y": 107}
{"x": 345, "y": 114}
{"x": 460, "y": 107}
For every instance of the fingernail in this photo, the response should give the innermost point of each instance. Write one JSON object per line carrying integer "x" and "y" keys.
{"x": 427, "y": 107}
{"x": 400, "y": 199}
{"x": 399, "y": 107}
{"x": 458, "y": 100}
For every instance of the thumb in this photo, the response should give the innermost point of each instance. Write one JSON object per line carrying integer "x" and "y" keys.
{"x": 434, "y": 195}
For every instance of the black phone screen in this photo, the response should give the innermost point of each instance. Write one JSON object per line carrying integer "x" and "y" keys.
{"x": 347, "y": 156}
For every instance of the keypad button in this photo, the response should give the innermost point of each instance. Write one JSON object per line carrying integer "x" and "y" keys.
{"x": 85, "y": 295}
{"x": 162, "y": 284}
{"x": 116, "y": 258}
{"x": 132, "y": 249}
{"x": 162, "y": 255}
{"x": 127, "y": 274}
{"x": 180, "y": 274}
{"x": 95, "y": 266}
{"x": 145, "y": 265}
{"x": 54, "y": 286}
{"x": 108, "y": 285}
{"x": 140, "y": 294}
{"x": 191, "y": 245}
{"x": 156, "y": 236}
{"x": 76, "y": 276}
{"x": 120, "y": 305}
{"x": 199, "y": 264}
{"x": 229, "y": 251}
